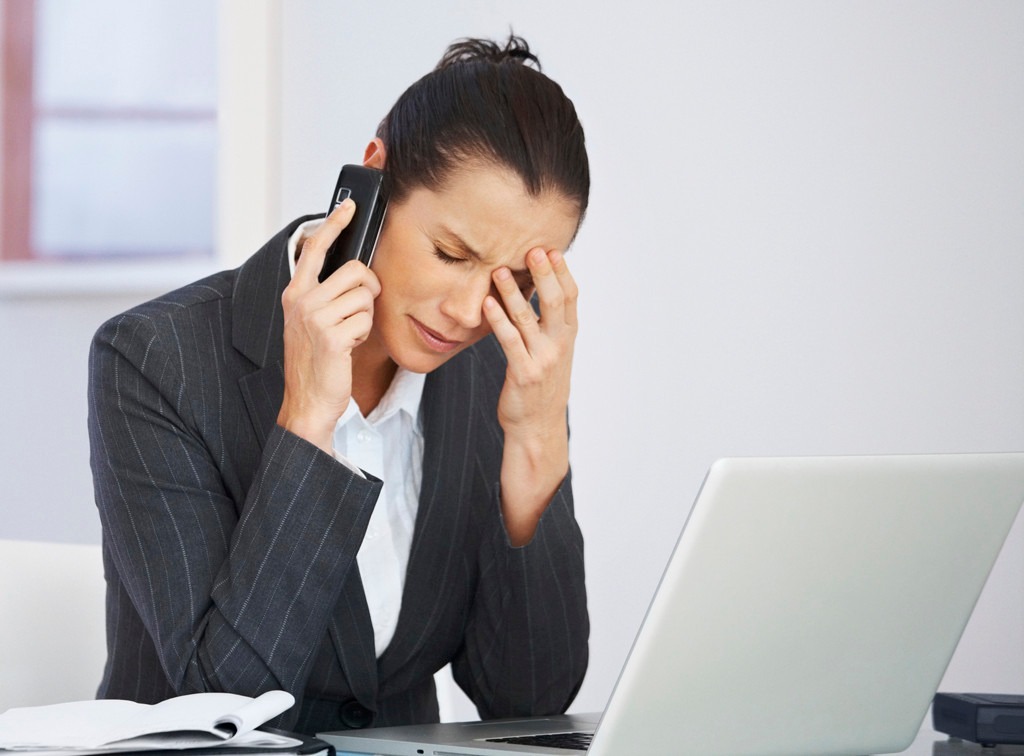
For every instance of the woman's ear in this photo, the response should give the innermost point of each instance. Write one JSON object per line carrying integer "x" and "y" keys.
{"x": 374, "y": 155}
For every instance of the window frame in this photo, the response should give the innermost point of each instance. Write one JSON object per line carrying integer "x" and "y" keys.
{"x": 25, "y": 115}
{"x": 248, "y": 169}
{"x": 18, "y": 25}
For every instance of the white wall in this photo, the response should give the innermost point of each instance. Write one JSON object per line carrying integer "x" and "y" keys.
{"x": 805, "y": 237}
{"x": 2, "y": 22}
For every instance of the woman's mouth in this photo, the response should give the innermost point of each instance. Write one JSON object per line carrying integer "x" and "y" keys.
{"x": 433, "y": 339}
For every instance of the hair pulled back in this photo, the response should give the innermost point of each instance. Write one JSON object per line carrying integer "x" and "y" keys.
{"x": 490, "y": 103}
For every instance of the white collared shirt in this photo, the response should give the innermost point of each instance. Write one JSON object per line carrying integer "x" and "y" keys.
{"x": 389, "y": 445}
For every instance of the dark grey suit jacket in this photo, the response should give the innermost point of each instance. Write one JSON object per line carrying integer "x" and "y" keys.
{"x": 229, "y": 544}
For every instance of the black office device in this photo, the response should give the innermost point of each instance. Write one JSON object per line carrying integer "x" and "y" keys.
{"x": 986, "y": 718}
{"x": 359, "y": 239}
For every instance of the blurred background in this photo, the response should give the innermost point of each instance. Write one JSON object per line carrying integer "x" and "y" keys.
{"x": 806, "y": 233}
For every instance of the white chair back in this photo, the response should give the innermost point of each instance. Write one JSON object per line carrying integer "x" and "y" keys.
{"x": 52, "y": 643}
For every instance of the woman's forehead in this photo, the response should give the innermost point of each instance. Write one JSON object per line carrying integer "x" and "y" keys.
{"x": 488, "y": 213}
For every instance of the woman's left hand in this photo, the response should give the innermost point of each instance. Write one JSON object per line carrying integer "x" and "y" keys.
{"x": 534, "y": 400}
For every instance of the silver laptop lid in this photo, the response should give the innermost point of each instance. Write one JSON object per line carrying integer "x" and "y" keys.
{"x": 812, "y": 605}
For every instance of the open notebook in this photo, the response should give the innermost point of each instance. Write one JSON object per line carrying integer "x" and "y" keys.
{"x": 811, "y": 606}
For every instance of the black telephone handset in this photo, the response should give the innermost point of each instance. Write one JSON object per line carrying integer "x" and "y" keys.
{"x": 359, "y": 239}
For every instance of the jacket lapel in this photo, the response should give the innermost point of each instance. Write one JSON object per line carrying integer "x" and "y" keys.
{"x": 263, "y": 391}
{"x": 351, "y": 632}
{"x": 258, "y": 325}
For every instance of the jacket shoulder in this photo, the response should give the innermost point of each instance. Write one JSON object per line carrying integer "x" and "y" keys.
{"x": 167, "y": 312}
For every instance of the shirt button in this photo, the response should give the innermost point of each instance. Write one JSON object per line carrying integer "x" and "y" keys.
{"x": 363, "y": 437}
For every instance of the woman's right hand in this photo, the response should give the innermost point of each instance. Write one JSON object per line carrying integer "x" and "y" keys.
{"x": 323, "y": 323}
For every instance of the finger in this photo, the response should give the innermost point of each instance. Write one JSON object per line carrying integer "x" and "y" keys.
{"x": 518, "y": 309}
{"x": 549, "y": 288}
{"x": 314, "y": 249}
{"x": 509, "y": 337}
{"x": 354, "y": 276}
{"x": 350, "y": 275}
{"x": 570, "y": 290}
{"x": 338, "y": 310}
{"x": 319, "y": 313}
{"x": 349, "y": 333}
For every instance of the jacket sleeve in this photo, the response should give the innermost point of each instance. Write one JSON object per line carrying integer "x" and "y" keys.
{"x": 526, "y": 644}
{"x": 235, "y": 595}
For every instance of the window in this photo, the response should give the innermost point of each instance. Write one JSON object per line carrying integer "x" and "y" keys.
{"x": 109, "y": 129}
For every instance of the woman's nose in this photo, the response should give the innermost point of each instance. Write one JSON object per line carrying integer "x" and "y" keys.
{"x": 464, "y": 304}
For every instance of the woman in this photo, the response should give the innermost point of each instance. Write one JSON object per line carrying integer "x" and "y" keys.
{"x": 337, "y": 488}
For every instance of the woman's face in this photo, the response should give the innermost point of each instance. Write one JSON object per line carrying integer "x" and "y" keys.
{"x": 438, "y": 250}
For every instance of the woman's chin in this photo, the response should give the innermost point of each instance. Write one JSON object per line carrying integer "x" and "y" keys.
{"x": 420, "y": 360}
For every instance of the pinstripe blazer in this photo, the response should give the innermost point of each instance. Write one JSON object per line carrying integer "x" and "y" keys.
{"x": 229, "y": 543}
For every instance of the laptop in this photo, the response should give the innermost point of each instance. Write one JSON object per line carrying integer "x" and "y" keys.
{"x": 810, "y": 606}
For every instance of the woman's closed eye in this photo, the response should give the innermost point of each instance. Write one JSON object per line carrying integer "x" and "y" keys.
{"x": 444, "y": 257}
{"x": 522, "y": 278}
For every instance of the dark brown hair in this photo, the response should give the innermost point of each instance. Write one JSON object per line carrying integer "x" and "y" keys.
{"x": 488, "y": 102}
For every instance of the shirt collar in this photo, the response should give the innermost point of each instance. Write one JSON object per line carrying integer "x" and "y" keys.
{"x": 299, "y": 235}
{"x": 403, "y": 395}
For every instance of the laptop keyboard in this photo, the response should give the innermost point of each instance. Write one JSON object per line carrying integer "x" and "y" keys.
{"x": 571, "y": 741}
